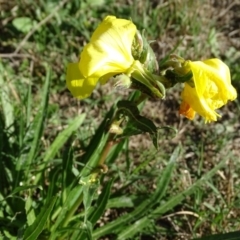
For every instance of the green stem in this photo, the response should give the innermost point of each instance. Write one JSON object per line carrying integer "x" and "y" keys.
{"x": 109, "y": 144}
{"x": 106, "y": 149}
{"x": 72, "y": 210}
{"x": 156, "y": 84}
{"x": 140, "y": 99}
{"x": 79, "y": 201}
{"x": 68, "y": 216}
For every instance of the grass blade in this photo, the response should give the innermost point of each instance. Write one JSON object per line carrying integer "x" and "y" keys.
{"x": 72, "y": 202}
{"x": 224, "y": 236}
{"x": 63, "y": 137}
{"x": 122, "y": 202}
{"x": 38, "y": 128}
{"x": 33, "y": 231}
{"x": 181, "y": 196}
{"x": 31, "y": 217}
{"x": 6, "y": 102}
{"x": 60, "y": 141}
{"x": 135, "y": 228}
{"x": 41, "y": 119}
{"x": 101, "y": 203}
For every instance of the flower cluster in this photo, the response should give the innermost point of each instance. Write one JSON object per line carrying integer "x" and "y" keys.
{"x": 117, "y": 49}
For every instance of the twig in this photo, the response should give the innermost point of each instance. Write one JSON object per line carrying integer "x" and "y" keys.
{"x": 36, "y": 27}
{"x": 15, "y": 55}
{"x": 181, "y": 213}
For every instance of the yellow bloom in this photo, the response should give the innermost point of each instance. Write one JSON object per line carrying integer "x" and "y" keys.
{"x": 109, "y": 50}
{"x": 212, "y": 89}
{"x": 109, "y": 53}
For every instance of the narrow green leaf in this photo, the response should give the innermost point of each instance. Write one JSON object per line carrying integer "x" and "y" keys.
{"x": 101, "y": 203}
{"x": 33, "y": 231}
{"x": 96, "y": 144}
{"x": 174, "y": 201}
{"x": 89, "y": 190}
{"x": 38, "y": 128}
{"x": 6, "y": 101}
{"x": 42, "y": 115}
{"x": 67, "y": 169}
{"x": 54, "y": 176}
{"x": 60, "y": 141}
{"x": 88, "y": 229}
{"x": 29, "y": 105}
{"x": 29, "y": 211}
{"x": 63, "y": 137}
{"x": 165, "y": 177}
{"x": 135, "y": 228}
{"x": 223, "y": 236}
{"x": 72, "y": 202}
{"x": 28, "y": 140}
{"x": 22, "y": 188}
{"x": 121, "y": 202}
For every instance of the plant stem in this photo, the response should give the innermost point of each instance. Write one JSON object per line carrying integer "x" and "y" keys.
{"x": 73, "y": 210}
{"x": 109, "y": 144}
{"x": 103, "y": 168}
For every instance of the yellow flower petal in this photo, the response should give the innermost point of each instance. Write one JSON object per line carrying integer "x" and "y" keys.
{"x": 109, "y": 50}
{"x": 212, "y": 88}
{"x": 79, "y": 86}
{"x": 197, "y": 104}
{"x": 213, "y": 71}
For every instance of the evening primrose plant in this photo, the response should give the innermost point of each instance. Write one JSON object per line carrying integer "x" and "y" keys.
{"x": 66, "y": 178}
{"x": 119, "y": 53}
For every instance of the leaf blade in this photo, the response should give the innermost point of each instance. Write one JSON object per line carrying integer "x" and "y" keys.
{"x": 34, "y": 230}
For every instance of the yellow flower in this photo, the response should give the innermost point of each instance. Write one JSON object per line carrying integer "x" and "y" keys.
{"x": 109, "y": 53}
{"x": 212, "y": 89}
{"x": 109, "y": 50}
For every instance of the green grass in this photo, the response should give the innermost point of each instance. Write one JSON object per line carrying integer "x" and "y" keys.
{"x": 50, "y": 142}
